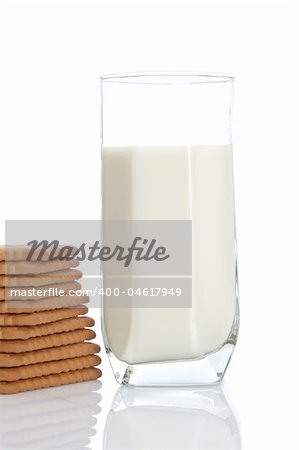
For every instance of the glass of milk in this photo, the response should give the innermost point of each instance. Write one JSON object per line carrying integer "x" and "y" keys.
{"x": 167, "y": 158}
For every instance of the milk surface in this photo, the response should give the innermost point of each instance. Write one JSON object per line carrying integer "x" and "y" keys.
{"x": 176, "y": 183}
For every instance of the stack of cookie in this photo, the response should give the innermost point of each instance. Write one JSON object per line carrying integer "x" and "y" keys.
{"x": 43, "y": 330}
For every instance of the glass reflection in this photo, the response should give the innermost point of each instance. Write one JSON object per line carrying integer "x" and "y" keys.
{"x": 171, "y": 418}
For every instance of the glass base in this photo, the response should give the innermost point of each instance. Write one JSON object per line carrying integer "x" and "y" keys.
{"x": 209, "y": 369}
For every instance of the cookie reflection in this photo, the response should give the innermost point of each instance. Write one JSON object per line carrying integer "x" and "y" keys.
{"x": 171, "y": 418}
{"x": 59, "y": 417}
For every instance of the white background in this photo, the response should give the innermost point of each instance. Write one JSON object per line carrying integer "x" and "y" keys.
{"x": 52, "y": 55}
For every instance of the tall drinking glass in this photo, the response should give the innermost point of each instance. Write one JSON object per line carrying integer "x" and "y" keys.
{"x": 167, "y": 162}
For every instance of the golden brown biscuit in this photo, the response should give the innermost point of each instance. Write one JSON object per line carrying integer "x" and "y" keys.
{"x": 32, "y": 267}
{"x": 42, "y": 342}
{"x": 48, "y": 368}
{"x": 38, "y": 318}
{"x": 45, "y": 304}
{"x": 40, "y": 279}
{"x": 21, "y": 252}
{"x": 49, "y": 354}
{"x": 48, "y": 328}
{"x": 48, "y": 291}
{"x": 31, "y": 384}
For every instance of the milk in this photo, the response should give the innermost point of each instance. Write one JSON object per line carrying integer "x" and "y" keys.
{"x": 176, "y": 183}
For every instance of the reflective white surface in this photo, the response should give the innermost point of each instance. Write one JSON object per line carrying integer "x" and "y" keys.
{"x": 61, "y": 417}
{"x": 169, "y": 418}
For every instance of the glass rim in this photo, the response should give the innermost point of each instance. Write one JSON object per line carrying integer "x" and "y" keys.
{"x": 167, "y": 78}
